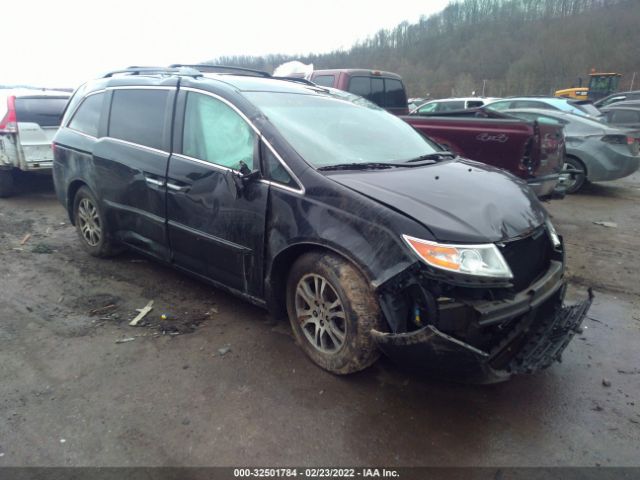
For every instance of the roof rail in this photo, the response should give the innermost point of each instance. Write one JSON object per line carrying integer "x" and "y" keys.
{"x": 217, "y": 68}
{"x": 135, "y": 70}
{"x": 304, "y": 81}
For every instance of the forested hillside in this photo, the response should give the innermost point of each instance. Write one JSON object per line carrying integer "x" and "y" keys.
{"x": 516, "y": 46}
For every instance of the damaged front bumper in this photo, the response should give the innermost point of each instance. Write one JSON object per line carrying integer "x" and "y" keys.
{"x": 536, "y": 327}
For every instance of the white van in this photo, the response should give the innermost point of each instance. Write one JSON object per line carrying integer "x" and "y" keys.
{"x": 29, "y": 119}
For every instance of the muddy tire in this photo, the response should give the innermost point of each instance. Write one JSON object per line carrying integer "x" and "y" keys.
{"x": 91, "y": 225}
{"x": 332, "y": 311}
{"x": 6, "y": 183}
{"x": 578, "y": 176}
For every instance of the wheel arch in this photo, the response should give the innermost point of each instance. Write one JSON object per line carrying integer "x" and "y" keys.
{"x": 72, "y": 190}
{"x": 276, "y": 280}
{"x": 578, "y": 159}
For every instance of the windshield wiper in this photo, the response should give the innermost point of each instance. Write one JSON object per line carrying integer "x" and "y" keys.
{"x": 359, "y": 166}
{"x": 433, "y": 156}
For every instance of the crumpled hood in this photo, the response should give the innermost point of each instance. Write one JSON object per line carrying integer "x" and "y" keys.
{"x": 458, "y": 201}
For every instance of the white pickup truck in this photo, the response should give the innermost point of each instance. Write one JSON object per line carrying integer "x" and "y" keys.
{"x": 29, "y": 119}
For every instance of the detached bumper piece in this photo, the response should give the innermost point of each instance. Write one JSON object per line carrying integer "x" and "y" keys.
{"x": 528, "y": 349}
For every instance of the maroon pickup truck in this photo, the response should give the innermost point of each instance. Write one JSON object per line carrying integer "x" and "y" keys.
{"x": 532, "y": 151}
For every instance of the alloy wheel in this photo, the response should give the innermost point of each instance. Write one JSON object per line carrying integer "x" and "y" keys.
{"x": 89, "y": 219}
{"x": 320, "y": 313}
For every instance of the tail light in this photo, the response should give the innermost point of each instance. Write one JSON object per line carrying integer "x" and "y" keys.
{"x": 9, "y": 124}
{"x": 629, "y": 141}
{"x": 617, "y": 139}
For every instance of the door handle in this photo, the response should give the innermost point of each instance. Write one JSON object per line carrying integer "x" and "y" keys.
{"x": 177, "y": 188}
{"x": 154, "y": 181}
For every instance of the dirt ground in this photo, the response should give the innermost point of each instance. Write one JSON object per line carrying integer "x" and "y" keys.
{"x": 218, "y": 382}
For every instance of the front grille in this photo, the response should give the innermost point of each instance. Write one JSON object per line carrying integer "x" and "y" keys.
{"x": 528, "y": 257}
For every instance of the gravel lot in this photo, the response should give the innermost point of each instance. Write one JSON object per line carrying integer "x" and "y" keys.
{"x": 219, "y": 382}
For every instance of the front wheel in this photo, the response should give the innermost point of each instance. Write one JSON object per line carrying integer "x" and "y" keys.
{"x": 91, "y": 225}
{"x": 332, "y": 311}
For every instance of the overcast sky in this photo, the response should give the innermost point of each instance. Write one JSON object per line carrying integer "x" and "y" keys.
{"x": 65, "y": 42}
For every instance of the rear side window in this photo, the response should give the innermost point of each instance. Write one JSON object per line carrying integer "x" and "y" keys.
{"x": 325, "y": 80}
{"x": 451, "y": 106}
{"x": 377, "y": 91}
{"x": 626, "y": 116}
{"x": 500, "y": 105}
{"x": 214, "y": 132}
{"x": 360, "y": 86}
{"x": 429, "y": 107}
{"x": 45, "y": 111}
{"x": 395, "y": 93}
{"x": 139, "y": 116}
{"x": 474, "y": 103}
{"x": 87, "y": 117}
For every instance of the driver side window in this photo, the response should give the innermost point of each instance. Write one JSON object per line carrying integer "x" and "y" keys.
{"x": 214, "y": 132}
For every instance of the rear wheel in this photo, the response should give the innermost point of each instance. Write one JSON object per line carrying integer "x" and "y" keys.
{"x": 6, "y": 183}
{"x": 332, "y": 311}
{"x": 91, "y": 225}
{"x": 574, "y": 174}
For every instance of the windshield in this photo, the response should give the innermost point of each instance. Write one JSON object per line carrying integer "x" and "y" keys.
{"x": 326, "y": 131}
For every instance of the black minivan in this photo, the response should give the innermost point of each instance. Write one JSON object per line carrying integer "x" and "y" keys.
{"x": 367, "y": 235}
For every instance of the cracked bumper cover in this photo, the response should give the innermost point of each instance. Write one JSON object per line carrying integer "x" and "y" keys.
{"x": 525, "y": 350}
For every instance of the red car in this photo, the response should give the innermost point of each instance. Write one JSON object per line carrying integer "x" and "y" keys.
{"x": 531, "y": 150}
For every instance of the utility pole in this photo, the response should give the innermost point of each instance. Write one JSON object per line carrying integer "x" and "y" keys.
{"x": 484, "y": 84}
{"x": 633, "y": 79}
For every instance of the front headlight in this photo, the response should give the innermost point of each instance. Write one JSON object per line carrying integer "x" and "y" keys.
{"x": 555, "y": 238}
{"x": 481, "y": 260}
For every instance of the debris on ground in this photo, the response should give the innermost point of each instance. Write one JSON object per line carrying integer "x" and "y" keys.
{"x": 606, "y": 382}
{"x": 142, "y": 313}
{"x": 25, "y": 239}
{"x": 635, "y": 371}
{"x": 42, "y": 248}
{"x": 125, "y": 340}
{"x": 607, "y": 224}
{"x": 224, "y": 350}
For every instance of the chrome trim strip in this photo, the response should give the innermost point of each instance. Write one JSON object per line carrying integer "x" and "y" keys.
{"x": 204, "y": 162}
{"x": 281, "y": 186}
{"x": 221, "y": 241}
{"x": 82, "y": 133}
{"x": 136, "y": 211}
{"x": 141, "y": 87}
{"x": 131, "y": 144}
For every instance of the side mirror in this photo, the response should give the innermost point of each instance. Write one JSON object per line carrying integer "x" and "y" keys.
{"x": 246, "y": 174}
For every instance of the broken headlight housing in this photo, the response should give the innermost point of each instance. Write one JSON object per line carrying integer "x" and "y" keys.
{"x": 480, "y": 260}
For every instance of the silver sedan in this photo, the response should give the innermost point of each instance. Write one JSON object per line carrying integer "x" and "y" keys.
{"x": 595, "y": 151}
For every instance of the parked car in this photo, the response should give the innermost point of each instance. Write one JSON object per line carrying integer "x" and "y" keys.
{"x": 595, "y": 151}
{"x": 368, "y": 236}
{"x": 531, "y": 150}
{"x": 578, "y": 107}
{"x": 414, "y": 103}
{"x": 617, "y": 97}
{"x": 622, "y": 114}
{"x": 28, "y": 121}
{"x": 450, "y": 104}
{"x": 382, "y": 88}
